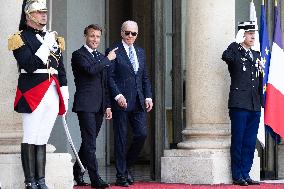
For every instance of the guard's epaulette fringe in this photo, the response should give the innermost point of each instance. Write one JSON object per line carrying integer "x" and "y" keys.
{"x": 15, "y": 41}
{"x": 61, "y": 43}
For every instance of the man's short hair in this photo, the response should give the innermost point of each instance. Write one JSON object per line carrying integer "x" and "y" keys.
{"x": 94, "y": 27}
{"x": 129, "y": 22}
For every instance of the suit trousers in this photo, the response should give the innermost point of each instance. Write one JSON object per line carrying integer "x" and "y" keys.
{"x": 137, "y": 119}
{"x": 244, "y": 127}
{"x": 90, "y": 124}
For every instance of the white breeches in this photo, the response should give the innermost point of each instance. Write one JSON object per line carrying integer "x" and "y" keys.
{"x": 38, "y": 124}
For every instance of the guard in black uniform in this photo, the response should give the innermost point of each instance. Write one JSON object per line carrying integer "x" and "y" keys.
{"x": 245, "y": 100}
{"x": 42, "y": 91}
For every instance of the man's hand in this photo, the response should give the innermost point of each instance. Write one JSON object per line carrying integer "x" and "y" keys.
{"x": 111, "y": 55}
{"x": 122, "y": 102}
{"x": 108, "y": 113}
{"x": 49, "y": 40}
{"x": 148, "y": 105}
{"x": 240, "y": 37}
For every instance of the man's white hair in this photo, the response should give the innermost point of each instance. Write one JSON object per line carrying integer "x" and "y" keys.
{"x": 129, "y": 23}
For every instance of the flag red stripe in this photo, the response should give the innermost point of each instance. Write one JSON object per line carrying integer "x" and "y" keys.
{"x": 274, "y": 110}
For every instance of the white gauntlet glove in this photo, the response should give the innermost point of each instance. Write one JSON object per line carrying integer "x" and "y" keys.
{"x": 50, "y": 40}
{"x": 65, "y": 95}
{"x": 240, "y": 36}
{"x": 48, "y": 44}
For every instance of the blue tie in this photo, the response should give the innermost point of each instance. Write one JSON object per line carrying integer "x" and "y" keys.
{"x": 132, "y": 58}
{"x": 96, "y": 56}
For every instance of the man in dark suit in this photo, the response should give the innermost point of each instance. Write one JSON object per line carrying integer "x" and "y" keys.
{"x": 91, "y": 101}
{"x": 131, "y": 98}
{"x": 245, "y": 100}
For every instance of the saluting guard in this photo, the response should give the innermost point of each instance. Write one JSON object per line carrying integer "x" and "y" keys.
{"x": 42, "y": 91}
{"x": 245, "y": 101}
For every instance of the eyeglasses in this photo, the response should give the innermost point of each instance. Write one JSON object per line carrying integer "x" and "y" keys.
{"x": 129, "y": 32}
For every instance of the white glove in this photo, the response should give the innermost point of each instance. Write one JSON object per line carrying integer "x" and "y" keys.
{"x": 48, "y": 44}
{"x": 43, "y": 51}
{"x": 65, "y": 95}
{"x": 240, "y": 37}
{"x": 49, "y": 40}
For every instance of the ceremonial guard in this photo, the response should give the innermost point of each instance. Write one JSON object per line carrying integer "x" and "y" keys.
{"x": 42, "y": 91}
{"x": 245, "y": 100}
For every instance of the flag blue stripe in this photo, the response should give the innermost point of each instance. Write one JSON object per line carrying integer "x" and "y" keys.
{"x": 264, "y": 46}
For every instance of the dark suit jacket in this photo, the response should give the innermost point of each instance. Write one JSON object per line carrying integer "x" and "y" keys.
{"x": 123, "y": 80}
{"x": 246, "y": 84}
{"x": 90, "y": 81}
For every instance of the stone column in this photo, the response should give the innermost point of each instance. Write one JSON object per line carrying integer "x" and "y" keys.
{"x": 10, "y": 122}
{"x": 203, "y": 157}
{"x": 59, "y": 166}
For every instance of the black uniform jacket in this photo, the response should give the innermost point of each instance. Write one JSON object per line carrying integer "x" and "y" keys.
{"x": 90, "y": 76}
{"x": 32, "y": 86}
{"x": 246, "y": 89}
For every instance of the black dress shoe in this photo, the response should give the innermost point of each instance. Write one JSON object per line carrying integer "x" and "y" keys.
{"x": 130, "y": 178}
{"x": 121, "y": 181}
{"x": 252, "y": 182}
{"x": 41, "y": 184}
{"x": 240, "y": 182}
{"x": 31, "y": 185}
{"x": 100, "y": 184}
{"x": 80, "y": 181}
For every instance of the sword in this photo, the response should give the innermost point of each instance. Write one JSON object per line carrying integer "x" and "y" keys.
{"x": 63, "y": 117}
{"x": 72, "y": 144}
{"x": 50, "y": 15}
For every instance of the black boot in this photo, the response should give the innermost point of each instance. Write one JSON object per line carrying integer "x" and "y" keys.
{"x": 28, "y": 163}
{"x": 40, "y": 166}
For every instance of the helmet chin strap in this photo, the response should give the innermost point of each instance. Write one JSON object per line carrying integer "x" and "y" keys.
{"x": 35, "y": 20}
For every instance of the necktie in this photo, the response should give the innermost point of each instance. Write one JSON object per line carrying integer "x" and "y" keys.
{"x": 251, "y": 55}
{"x": 132, "y": 58}
{"x": 96, "y": 56}
{"x": 41, "y": 33}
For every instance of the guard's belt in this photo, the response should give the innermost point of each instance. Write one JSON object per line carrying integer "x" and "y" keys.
{"x": 41, "y": 71}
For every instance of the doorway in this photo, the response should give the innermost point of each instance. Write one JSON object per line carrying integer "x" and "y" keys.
{"x": 161, "y": 35}
{"x": 118, "y": 11}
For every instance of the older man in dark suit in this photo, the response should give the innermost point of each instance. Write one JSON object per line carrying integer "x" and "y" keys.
{"x": 90, "y": 101}
{"x": 131, "y": 98}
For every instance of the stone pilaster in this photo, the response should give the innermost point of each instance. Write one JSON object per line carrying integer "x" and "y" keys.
{"x": 10, "y": 122}
{"x": 203, "y": 157}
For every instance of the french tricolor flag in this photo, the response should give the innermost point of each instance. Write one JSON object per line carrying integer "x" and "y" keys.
{"x": 274, "y": 105}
